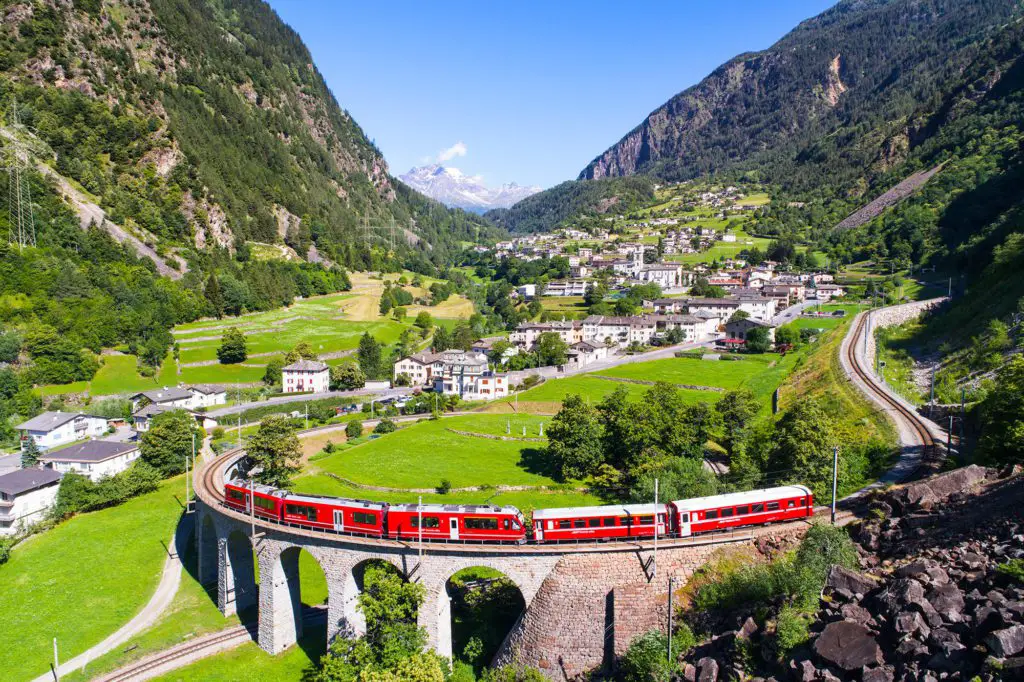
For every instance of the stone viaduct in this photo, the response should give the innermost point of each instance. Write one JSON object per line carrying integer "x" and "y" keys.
{"x": 584, "y": 603}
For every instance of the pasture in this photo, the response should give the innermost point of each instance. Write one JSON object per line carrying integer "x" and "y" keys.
{"x": 85, "y": 578}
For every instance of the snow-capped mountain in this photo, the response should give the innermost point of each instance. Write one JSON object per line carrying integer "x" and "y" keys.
{"x": 452, "y": 187}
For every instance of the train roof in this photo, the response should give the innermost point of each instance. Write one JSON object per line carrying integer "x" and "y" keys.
{"x": 453, "y": 508}
{"x": 288, "y": 496}
{"x": 606, "y": 510}
{"x": 748, "y": 497}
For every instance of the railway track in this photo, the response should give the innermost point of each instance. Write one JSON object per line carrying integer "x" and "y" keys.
{"x": 847, "y": 509}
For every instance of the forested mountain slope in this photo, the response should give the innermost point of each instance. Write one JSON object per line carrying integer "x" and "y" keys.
{"x": 829, "y": 105}
{"x": 206, "y": 123}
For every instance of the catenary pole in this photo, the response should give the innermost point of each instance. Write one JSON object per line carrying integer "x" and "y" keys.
{"x": 419, "y": 525}
{"x": 670, "y": 580}
{"x": 654, "y": 572}
{"x": 56, "y": 662}
{"x": 835, "y": 481}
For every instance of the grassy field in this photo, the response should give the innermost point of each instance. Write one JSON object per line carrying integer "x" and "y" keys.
{"x": 422, "y": 454}
{"x": 721, "y": 250}
{"x": 895, "y": 349}
{"x": 563, "y": 304}
{"x": 716, "y": 373}
{"x": 82, "y": 580}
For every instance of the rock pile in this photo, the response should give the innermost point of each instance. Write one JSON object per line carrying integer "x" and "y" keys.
{"x": 931, "y": 602}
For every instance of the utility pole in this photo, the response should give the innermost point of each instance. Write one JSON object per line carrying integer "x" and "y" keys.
{"x": 835, "y": 481}
{"x": 419, "y": 525}
{"x": 963, "y": 396}
{"x": 950, "y": 294}
{"x": 654, "y": 571}
{"x": 670, "y": 581}
{"x": 252, "y": 510}
{"x": 949, "y": 436}
{"x": 306, "y": 405}
{"x": 56, "y": 662}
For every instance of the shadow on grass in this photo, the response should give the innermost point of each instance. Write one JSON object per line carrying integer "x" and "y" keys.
{"x": 537, "y": 461}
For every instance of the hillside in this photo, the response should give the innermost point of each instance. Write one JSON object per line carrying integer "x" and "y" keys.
{"x": 829, "y": 105}
{"x": 207, "y": 124}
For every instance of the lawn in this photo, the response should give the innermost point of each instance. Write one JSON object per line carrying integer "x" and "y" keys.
{"x": 524, "y": 500}
{"x": 595, "y": 389}
{"x": 422, "y": 454}
{"x": 714, "y": 373}
{"x": 81, "y": 581}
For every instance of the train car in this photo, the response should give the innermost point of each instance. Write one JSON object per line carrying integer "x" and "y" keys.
{"x": 268, "y": 501}
{"x": 734, "y": 510}
{"x": 456, "y": 522}
{"x": 599, "y": 523}
{"x": 361, "y": 517}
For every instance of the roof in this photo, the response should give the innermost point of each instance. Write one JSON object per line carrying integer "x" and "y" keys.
{"x": 453, "y": 508}
{"x": 607, "y": 510}
{"x": 47, "y": 421}
{"x": 153, "y": 409}
{"x": 90, "y": 451}
{"x": 748, "y": 497}
{"x": 306, "y": 366}
{"x": 26, "y": 480}
{"x": 207, "y": 389}
{"x": 165, "y": 395}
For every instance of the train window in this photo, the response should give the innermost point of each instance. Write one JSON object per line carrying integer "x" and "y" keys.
{"x": 309, "y": 513}
{"x": 773, "y": 506}
{"x": 236, "y": 495}
{"x": 609, "y": 521}
{"x": 711, "y": 514}
{"x": 743, "y": 510}
{"x": 362, "y": 517}
{"x": 565, "y": 524}
{"x": 758, "y": 508}
{"x": 428, "y": 522}
{"x": 506, "y": 524}
{"x": 790, "y": 504}
{"x": 645, "y": 520}
{"x": 579, "y": 523}
{"x": 482, "y": 524}
{"x": 803, "y": 502}
{"x": 264, "y": 503}
{"x": 685, "y": 518}
{"x": 594, "y": 523}
{"x": 727, "y": 513}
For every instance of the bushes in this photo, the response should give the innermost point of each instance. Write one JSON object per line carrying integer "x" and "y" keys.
{"x": 384, "y": 426}
{"x": 78, "y": 493}
{"x": 6, "y": 545}
{"x": 646, "y": 658}
{"x": 354, "y": 429}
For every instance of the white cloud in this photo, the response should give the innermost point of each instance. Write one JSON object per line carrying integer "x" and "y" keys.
{"x": 457, "y": 149}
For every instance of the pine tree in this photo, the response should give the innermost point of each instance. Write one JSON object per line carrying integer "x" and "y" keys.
{"x": 30, "y": 454}
{"x": 213, "y": 295}
{"x": 369, "y": 355}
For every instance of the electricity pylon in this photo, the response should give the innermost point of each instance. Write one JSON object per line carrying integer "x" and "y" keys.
{"x": 22, "y": 227}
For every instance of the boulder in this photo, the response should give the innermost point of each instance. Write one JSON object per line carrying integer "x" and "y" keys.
{"x": 1006, "y": 642}
{"x": 909, "y": 622}
{"x": 936, "y": 488}
{"x": 806, "y": 672}
{"x": 707, "y": 670}
{"x": 882, "y": 673}
{"x": 856, "y": 613}
{"x": 840, "y": 578}
{"x": 748, "y": 629}
{"x": 948, "y": 601}
{"x": 690, "y": 672}
{"x": 848, "y": 645}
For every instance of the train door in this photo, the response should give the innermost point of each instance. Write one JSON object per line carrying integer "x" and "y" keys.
{"x": 684, "y": 524}
{"x": 453, "y": 524}
{"x": 660, "y": 527}
{"x": 339, "y": 519}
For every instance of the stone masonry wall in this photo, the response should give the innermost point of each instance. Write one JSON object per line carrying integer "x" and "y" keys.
{"x": 893, "y": 316}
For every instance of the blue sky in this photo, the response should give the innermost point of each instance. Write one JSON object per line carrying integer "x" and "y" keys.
{"x": 532, "y": 90}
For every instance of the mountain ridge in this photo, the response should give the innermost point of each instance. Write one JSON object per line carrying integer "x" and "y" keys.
{"x": 455, "y": 189}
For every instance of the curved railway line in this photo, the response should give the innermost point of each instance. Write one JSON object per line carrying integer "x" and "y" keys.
{"x": 923, "y": 454}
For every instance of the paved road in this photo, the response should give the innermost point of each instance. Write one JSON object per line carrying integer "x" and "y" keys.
{"x": 170, "y": 579}
{"x": 792, "y": 312}
{"x": 280, "y": 400}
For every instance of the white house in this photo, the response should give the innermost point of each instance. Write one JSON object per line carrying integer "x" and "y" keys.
{"x": 25, "y": 495}
{"x": 586, "y": 353}
{"x": 53, "y": 429}
{"x": 306, "y": 376}
{"x": 173, "y": 396}
{"x": 93, "y": 458}
{"x": 665, "y": 275}
{"x": 142, "y": 419}
{"x": 207, "y": 396}
{"x": 527, "y": 333}
{"x": 825, "y": 292}
{"x": 570, "y": 287}
{"x": 486, "y": 386}
{"x": 527, "y": 290}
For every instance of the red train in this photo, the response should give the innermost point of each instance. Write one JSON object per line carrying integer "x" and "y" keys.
{"x": 479, "y": 523}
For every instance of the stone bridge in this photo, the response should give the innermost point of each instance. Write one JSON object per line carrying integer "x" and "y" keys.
{"x": 584, "y": 603}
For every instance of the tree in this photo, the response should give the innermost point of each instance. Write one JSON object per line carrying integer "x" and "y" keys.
{"x": 272, "y": 374}
{"x": 679, "y": 478}
{"x": 464, "y": 337}
{"x": 758, "y": 340}
{"x": 551, "y": 349}
{"x": 30, "y": 454}
{"x": 347, "y": 377}
{"x": 169, "y": 441}
{"x": 354, "y": 429}
{"x": 399, "y": 313}
{"x": 232, "y": 347}
{"x": 739, "y": 315}
{"x": 390, "y": 605}
{"x": 213, "y": 295}
{"x": 369, "y": 356}
{"x": 1002, "y": 416}
{"x": 275, "y": 450}
{"x": 424, "y": 320}
{"x": 442, "y": 339}
{"x": 804, "y": 439}
{"x": 385, "y": 425}
{"x": 737, "y": 409}
{"x": 787, "y": 335}
{"x": 574, "y": 439}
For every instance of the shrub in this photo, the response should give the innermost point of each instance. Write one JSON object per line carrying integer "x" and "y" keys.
{"x": 646, "y": 658}
{"x": 329, "y": 447}
{"x": 384, "y": 426}
{"x": 445, "y": 487}
{"x": 354, "y": 429}
{"x": 78, "y": 493}
{"x": 217, "y": 433}
{"x": 6, "y": 545}
{"x": 1013, "y": 569}
{"x": 792, "y": 628}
